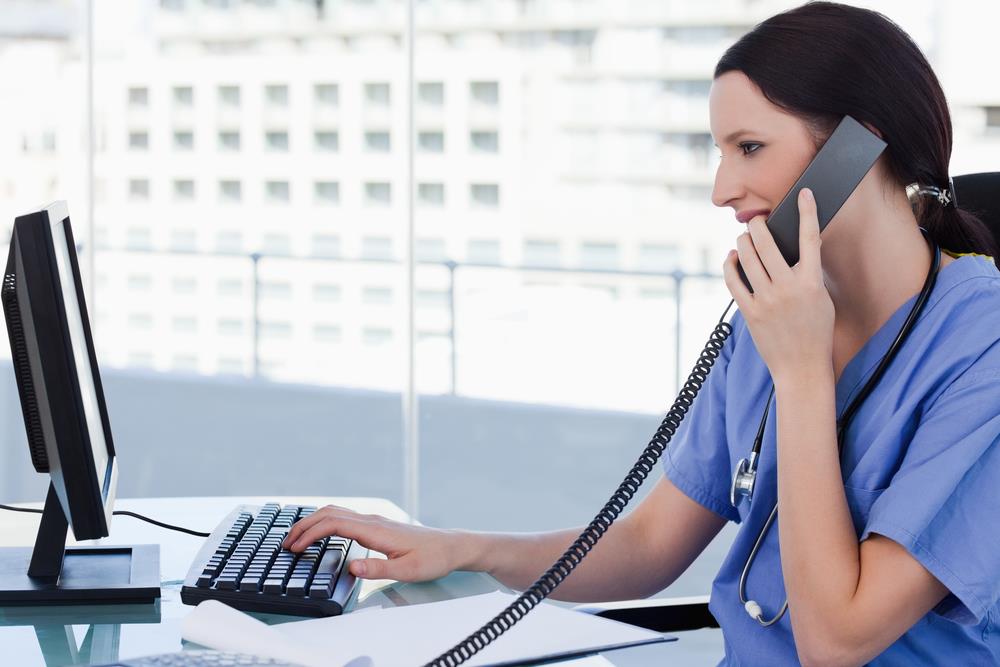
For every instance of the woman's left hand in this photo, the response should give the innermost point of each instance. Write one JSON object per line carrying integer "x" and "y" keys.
{"x": 790, "y": 314}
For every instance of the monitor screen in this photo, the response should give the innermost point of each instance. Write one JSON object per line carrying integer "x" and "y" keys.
{"x": 81, "y": 357}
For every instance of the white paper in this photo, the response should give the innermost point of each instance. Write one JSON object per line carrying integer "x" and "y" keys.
{"x": 416, "y": 634}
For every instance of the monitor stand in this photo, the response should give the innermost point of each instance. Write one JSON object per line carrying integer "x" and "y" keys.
{"x": 51, "y": 572}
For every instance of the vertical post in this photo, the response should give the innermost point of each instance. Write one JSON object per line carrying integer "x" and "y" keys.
{"x": 411, "y": 442}
{"x": 50, "y": 543}
{"x": 255, "y": 260}
{"x": 451, "y": 319}
{"x": 678, "y": 280}
{"x": 89, "y": 160}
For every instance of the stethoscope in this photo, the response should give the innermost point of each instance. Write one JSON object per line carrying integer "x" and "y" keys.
{"x": 745, "y": 475}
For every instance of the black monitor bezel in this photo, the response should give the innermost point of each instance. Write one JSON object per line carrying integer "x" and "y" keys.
{"x": 86, "y": 503}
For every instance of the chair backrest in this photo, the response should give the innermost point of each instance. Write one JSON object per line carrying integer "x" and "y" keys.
{"x": 980, "y": 194}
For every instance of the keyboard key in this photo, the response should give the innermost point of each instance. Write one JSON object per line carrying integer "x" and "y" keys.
{"x": 321, "y": 589}
{"x": 273, "y": 586}
{"x": 296, "y": 587}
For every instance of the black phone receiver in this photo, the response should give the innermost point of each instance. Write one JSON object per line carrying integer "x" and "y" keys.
{"x": 832, "y": 176}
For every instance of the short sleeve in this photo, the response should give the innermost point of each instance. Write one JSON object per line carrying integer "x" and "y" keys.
{"x": 697, "y": 458}
{"x": 943, "y": 503}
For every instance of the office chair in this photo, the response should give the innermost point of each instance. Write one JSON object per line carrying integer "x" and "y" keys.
{"x": 977, "y": 193}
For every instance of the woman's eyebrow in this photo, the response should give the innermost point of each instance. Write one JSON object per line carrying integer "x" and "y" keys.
{"x": 732, "y": 136}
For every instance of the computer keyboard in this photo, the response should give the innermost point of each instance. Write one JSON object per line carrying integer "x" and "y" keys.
{"x": 243, "y": 565}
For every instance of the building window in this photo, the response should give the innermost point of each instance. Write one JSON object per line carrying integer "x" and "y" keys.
{"x": 327, "y": 94}
{"x": 138, "y": 238}
{"x": 172, "y": 5}
{"x": 377, "y": 142}
{"x": 327, "y": 140}
{"x": 483, "y": 251}
{"x": 431, "y": 142}
{"x": 327, "y": 293}
{"x": 230, "y": 287}
{"x": 486, "y": 93}
{"x": 378, "y": 194}
{"x": 277, "y": 244}
{"x": 327, "y": 192}
{"x": 659, "y": 257}
{"x": 432, "y": 298}
{"x": 276, "y": 140}
{"x": 325, "y": 245}
{"x": 140, "y": 282}
{"x": 377, "y": 94}
{"x": 185, "y": 362}
{"x": 184, "y": 285}
{"x": 276, "y": 95}
{"x": 484, "y": 141}
{"x": 138, "y": 189}
{"x": 599, "y": 255}
{"x": 229, "y": 140}
{"x": 539, "y": 252}
{"x": 431, "y": 93}
{"x": 376, "y": 335}
{"x": 230, "y": 366}
{"x": 278, "y": 191}
{"x": 183, "y": 140}
{"x": 276, "y": 290}
{"x": 230, "y": 327}
{"x": 184, "y": 240}
{"x": 431, "y": 194}
{"x": 184, "y": 324}
{"x": 183, "y": 96}
{"x": 138, "y": 96}
{"x": 376, "y": 295}
{"x": 275, "y": 330}
{"x": 230, "y": 191}
{"x": 431, "y": 250}
{"x": 485, "y": 195}
{"x": 229, "y": 241}
{"x": 138, "y": 140}
{"x": 376, "y": 247}
{"x": 183, "y": 190}
{"x": 140, "y": 321}
{"x": 327, "y": 333}
{"x": 229, "y": 96}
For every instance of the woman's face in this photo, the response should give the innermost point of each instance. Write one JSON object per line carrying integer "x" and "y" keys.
{"x": 764, "y": 149}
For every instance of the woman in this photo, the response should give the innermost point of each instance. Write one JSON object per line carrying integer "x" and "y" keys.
{"x": 890, "y": 553}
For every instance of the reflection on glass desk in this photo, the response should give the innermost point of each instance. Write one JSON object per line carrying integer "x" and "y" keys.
{"x": 54, "y": 636}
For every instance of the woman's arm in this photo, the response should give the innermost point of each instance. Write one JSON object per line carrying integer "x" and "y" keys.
{"x": 848, "y": 602}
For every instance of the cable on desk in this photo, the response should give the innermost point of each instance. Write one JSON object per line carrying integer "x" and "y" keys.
{"x": 120, "y": 513}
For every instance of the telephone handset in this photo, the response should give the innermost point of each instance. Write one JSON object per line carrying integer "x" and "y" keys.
{"x": 832, "y": 175}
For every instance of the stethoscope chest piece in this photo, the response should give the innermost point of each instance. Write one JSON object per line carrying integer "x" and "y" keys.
{"x": 744, "y": 478}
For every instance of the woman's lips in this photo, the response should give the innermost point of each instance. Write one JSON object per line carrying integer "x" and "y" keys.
{"x": 747, "y": 216}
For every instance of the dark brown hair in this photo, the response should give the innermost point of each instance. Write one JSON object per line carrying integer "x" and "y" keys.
{"x": 824, "y": 60}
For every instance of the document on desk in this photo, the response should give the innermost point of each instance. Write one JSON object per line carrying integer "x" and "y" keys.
{"x": 413, "y": 635}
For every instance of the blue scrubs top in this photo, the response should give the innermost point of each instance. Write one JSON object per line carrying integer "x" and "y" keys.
{"x": 921, "y": 466}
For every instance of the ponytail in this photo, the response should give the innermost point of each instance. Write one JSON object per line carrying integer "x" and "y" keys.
{"x": 951, "y": 227}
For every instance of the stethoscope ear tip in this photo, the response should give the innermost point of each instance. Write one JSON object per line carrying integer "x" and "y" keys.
{"x": 754, "y": 610}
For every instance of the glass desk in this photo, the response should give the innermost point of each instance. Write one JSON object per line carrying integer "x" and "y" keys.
{"x": 53, "y": 636}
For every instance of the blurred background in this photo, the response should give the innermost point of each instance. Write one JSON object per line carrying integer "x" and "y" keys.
{"x": 243, "y": 176}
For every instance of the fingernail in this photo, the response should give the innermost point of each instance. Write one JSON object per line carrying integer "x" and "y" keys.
{"x": 360, "y": 568}
{"x": 807, "y": 194}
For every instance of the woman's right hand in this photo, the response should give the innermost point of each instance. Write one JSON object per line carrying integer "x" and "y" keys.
{"x": 413, "y": 553}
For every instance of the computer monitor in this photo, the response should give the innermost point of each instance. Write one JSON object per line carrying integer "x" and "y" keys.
{"x": 66, "y": 421}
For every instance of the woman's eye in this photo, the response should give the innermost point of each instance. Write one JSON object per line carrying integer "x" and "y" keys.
{"x": 743, "y": 147}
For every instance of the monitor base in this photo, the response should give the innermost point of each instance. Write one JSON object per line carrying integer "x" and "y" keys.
{"x": 90, "y": 575}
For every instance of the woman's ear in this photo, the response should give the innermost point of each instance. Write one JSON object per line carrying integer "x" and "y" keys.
{"x": 874, "y": 130}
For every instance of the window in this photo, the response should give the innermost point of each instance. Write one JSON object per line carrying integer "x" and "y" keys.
{"x": 230, "y": 366}
{"x": 659, "y": 257}
{"x": 326, "y": 292}
{"x": 325, "y": 245}
{"x": 138, "y": 97}
{"x": 138, "y": 189}
{"x": 327, "y": 333}
{"x": 327, "y": 140}
{"x": 376, "y": 247}
{"x": 183, "y": 140}
{"x": 485, "y": 141}
{"x": 184, "y": 324}
{"x": 278, "y": 191}
{"x": 431, "y": 93}
{"x": 138, "y": 140}
{"x": 276, "y": 140}
{"x": 430, "y": 194}
{"x": 185, "y": 240}
{"x": 229, "y": 140}
{"x": 140, "y": 282}
{"x": 431, "y": 142}
{"x": 229, "y": 96}
{"x": 183, "y": 96}
{"x": 432, "y": 298}
{"x": 229, "y": 241}
{"x": 185, "y": 362}
{"x": 378, "y": 194}
{"x": 277, "y": 244}
{"x": 483, "y": 251}
{"x": 140, "y": 359}
{"x": 377, "y": 142}
{"x": 485, "y": 195}
{"x": 276, "y": 290}
{"x": 276, "y": 95}
{"x": 327, "y": 94}
{"x": 275, "y": 330}
{"x": 230, "y": 287}
{"x": 230, "y": 327}
{"x": 183, "y": 190}
{"x": 376, "y": 335}
{"x": 138, "y": 238}
{"x": 599, "y": 255}
{"x": 431, "y": 250}
{"x": 541, "y": 252}
{"x": 140, "y": 321}
{"x": 485, "y": 92}
{"x": 172, "y": 5}
{"x": 327, "y": 192}
{"x": 377, "y": 94}
{"x": 376, "y": 295}
{"x": 230, "y": 191}
{"x": 184, "y": 285}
